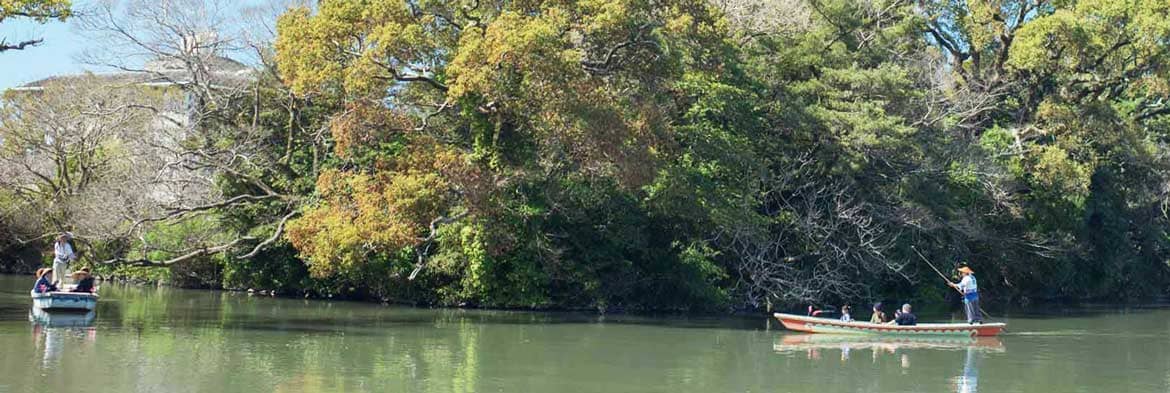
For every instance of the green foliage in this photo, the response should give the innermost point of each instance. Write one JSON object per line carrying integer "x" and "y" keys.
{"x": 529, "y": 193}
{"x": 38, "y": 10}
{"x": 588, "y": 153}
{"x": 647, "y": 155}
{"x": 138, "y": 274}
{"x": 1069, "y": 161}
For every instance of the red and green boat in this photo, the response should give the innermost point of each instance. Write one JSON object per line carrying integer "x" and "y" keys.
{"x": 802, "y": 323}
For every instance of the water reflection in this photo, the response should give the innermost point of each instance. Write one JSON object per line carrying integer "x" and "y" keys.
{"x": 968, "y": 381}
{"x": 890, "y": 344}
{"x": 53, "y": 333}
{"x": 899, "y": 348}
{"x": 61, "y": 319}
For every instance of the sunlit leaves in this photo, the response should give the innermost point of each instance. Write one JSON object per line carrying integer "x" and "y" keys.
{"x": 385, "y": 212}
{"x": 1096, "y": 43}
{"x": 39, "y": 10}
{"x": 563, "y": 130}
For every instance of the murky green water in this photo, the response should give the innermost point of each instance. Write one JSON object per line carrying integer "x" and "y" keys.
{"x": 168, "y": 340}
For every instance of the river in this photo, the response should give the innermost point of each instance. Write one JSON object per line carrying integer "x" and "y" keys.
{"x": 146, "y": 339}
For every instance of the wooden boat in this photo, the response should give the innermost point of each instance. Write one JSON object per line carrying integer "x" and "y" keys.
{"x": 65, "y": 301}
{"x": 802, "y": 323}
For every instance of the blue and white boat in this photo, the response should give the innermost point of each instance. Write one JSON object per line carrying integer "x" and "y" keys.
{"x": 65, "y": 301}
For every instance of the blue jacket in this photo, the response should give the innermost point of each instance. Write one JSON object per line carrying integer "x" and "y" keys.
{"x": 44, "y": 285}
{"x": 906, "y": 319}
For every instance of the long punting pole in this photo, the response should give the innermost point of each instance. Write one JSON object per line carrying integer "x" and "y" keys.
{"x": 943, "y": 276}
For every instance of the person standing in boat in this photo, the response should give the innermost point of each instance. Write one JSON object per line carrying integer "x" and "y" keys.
{"x": 62, "y": 255}
{"x": 970, "y": 290}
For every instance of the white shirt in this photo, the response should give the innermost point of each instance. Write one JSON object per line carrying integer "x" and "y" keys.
{"x": 968, "y": 284}
{"x": 63, "y": 252}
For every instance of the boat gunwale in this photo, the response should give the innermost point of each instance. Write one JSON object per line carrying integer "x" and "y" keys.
{"x": 41, "y": 295}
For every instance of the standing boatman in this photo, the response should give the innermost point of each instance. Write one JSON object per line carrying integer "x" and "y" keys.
{"x": 970, "y": 291}
{"x": 62, "y": 255}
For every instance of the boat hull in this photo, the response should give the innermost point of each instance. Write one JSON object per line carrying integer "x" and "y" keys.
{"x": 65, "y": 301}
{"x": 802, "y": 323}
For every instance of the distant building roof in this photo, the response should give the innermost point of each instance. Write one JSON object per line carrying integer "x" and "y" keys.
{"x": 225, "y": 72}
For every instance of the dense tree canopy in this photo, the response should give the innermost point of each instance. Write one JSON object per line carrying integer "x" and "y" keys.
{"x": 690, "y": 154}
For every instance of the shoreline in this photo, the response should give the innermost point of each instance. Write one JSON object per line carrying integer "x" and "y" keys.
{"x": 1035, "y": 306}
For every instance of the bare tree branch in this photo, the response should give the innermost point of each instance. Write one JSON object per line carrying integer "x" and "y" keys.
{"x": 425, "y": 245}
{"x": 5, "y": 46}
{"x": 185, "y": 257}
{"x": 271, "y": 239}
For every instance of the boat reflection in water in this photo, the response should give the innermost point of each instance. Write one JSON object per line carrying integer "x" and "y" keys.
{"x": 53, "y": 331}
{"x": 61, "y": 319}
{"x": 898, "y": 346}
{"x": 804, "y": 342}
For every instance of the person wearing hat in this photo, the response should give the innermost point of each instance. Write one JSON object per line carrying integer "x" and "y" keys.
{"x": 62, "y": 255}
{"x": 43, "y": 284}
{"x": 970, "y": 290}
{"x": 84, "y": 280}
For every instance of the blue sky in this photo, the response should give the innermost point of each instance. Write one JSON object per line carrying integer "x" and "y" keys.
{"x": 65, "y": 43}
{"x": 57, "y": 55}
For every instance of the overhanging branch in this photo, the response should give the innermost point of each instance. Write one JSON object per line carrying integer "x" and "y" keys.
{"x": 193, "y": 254}
{"x": 275, "y": 235}
{"x": 425, "y": 246}
{"x": 5, "y": 46}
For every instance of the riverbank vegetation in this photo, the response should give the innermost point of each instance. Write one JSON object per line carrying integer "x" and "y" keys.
{"x": 632, "y": 154}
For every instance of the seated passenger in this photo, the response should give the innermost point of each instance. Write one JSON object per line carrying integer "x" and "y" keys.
{"x": 84, "y": 281}
{"x": 43, "y": 283}
{"x": 878, "y": 316}
{"x": 905, "y": 318}
{"x": 845, "y": 317}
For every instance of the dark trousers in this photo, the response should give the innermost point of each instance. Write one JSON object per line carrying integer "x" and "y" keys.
{"x": 971, "y": 307}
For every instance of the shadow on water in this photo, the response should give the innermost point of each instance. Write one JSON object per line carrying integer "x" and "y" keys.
{"x": 394, "y": 317}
